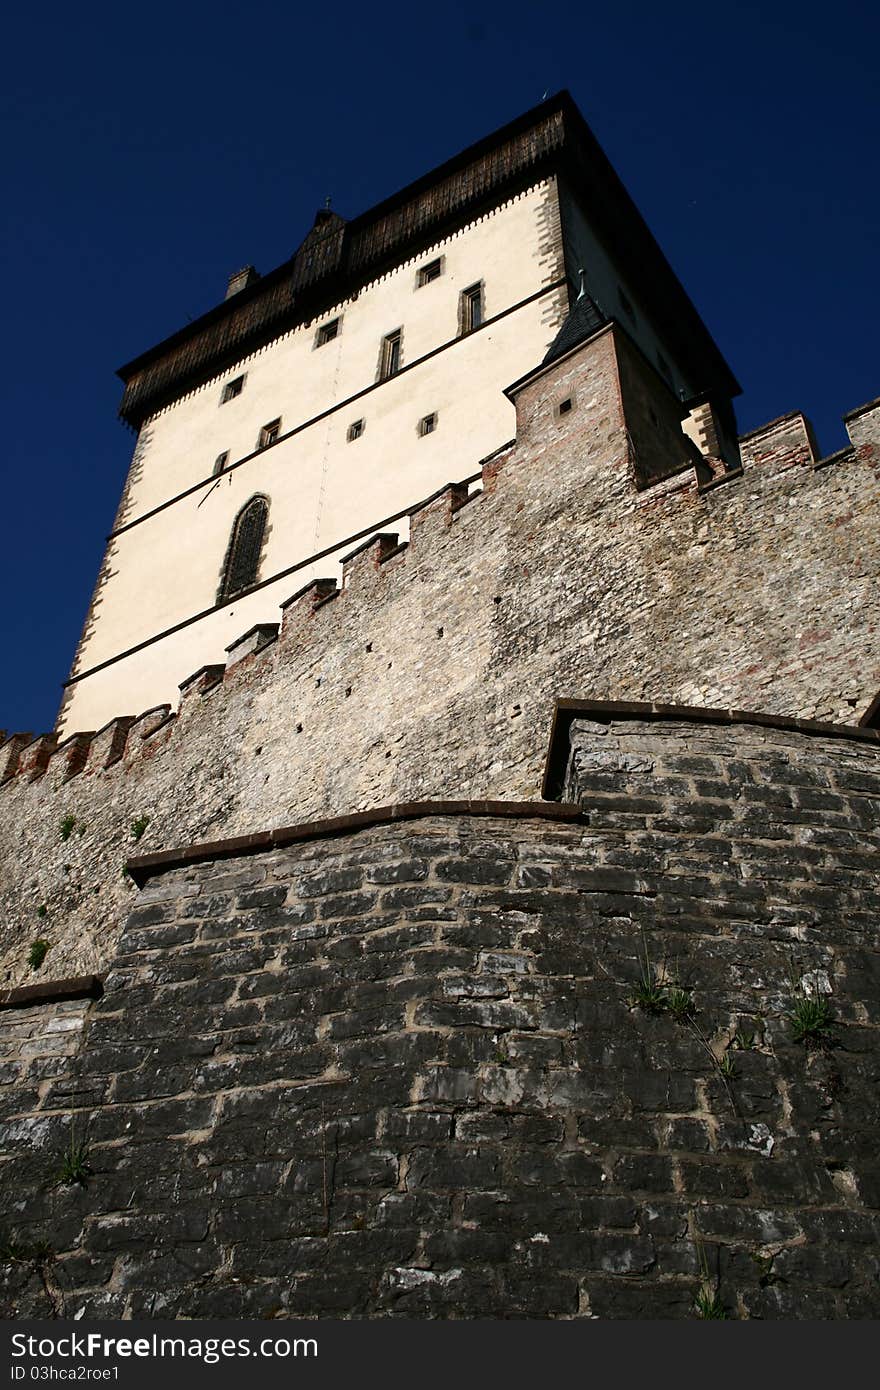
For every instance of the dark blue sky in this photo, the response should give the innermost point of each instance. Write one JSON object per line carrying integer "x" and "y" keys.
{"x": 150, "y": 150}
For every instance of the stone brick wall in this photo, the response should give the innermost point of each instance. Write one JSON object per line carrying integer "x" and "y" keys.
{"x": 435, "y": 671}
{"x": 34, "y": 1039}
{"x": 540, "y": 1064}
{"x": 784, "y": 443}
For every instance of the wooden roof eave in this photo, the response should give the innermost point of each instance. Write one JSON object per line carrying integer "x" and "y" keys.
{"x": 553, "y": 137}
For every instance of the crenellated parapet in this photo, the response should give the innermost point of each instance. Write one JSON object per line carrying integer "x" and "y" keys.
{"x": 579, "y": 565}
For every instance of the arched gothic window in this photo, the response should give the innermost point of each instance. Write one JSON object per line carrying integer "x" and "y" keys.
{"x": 245, "y": 546}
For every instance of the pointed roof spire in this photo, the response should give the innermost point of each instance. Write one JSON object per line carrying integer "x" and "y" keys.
{"x": 585, "y": 319}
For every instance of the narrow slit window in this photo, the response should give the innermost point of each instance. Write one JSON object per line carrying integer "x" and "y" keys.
{"x": 432, "y": 271}
{"x": 427, "y": 424}
{"x": 390, "y": 364}
{"x": 327, "y": 332}
{"x": 232, "y": 389}
{"x": 471, "y": 308}
{"x": 269, "y": 434}
{"x": 220, "y": 462}
{"x": 245, "y": 548}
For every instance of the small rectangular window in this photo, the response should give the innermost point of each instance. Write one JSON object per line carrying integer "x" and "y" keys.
{"x": 432, "y": 271}
{"x": 269, "y": 433}
{"x": 471, "y": 308}
{"x": 220, "y": 462}
{"x": 232, "y": 389}
{"x": 355, "y": 430}
{"x": 327, "y": 332}
{"x": 427, "y": 424}
{"x": 390, "y": 363}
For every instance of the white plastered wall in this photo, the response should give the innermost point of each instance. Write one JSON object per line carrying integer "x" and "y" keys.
{"x": 322, "y": 488}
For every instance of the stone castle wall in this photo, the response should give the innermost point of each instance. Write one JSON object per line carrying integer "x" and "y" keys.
{"x": 434, "y": 672}
{"x": 411, "y": 1069}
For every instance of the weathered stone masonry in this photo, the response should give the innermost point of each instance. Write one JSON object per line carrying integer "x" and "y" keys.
{"x": 419, "y": 1060}
{"x": 434, "y": 672}
{"x": 401, "y": 1071}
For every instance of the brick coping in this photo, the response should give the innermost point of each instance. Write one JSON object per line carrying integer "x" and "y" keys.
{"x": 146, "y": 866}
{"x": 566, "y": 711}
{"x": 862, "y": 409}
{"x": 787, "y": 418}
{"x": 53, "y": 991}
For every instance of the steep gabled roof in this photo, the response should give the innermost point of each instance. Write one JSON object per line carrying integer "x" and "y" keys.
{"x": 584, "y": 320}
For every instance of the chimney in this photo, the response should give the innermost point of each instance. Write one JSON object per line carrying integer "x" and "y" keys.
{"x": 240, "y": 279}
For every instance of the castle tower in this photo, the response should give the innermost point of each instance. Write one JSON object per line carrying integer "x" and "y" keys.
{"x": 318, "y": 403}
{"x": 490, "y": 935}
